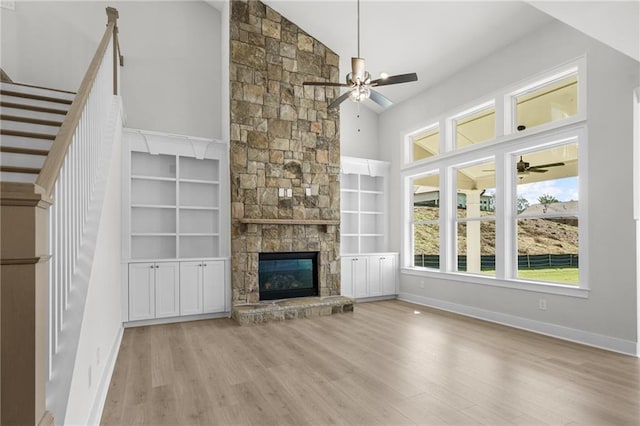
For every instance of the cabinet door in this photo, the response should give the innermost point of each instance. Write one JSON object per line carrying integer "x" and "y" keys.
{"x": 214, "y": 285}
{"x": 388, "y": 274}
{"x": 375, "y": 275}
{"x": 360, "y": 276}
{"x": 190, "y": 288}
{"x": 346, "y": 276}
{"x": 167, "y": 290}
{"x": 141, "y": 291}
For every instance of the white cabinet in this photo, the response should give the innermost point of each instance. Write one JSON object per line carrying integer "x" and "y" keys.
{"x": 175, "y": 221}
{"x": 369, "y": 275}
{"x": 367, "y": 269}
{"x": 354, "y": 275}
{"x": 202, "y": 287}
{"x": 382, "y": 275}
{"x": 190, "y": 288}
{"x": 153, "y": 290}
{"x": 214, "y": 285}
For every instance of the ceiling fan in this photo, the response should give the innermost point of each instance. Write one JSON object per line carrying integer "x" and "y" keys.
{"x": 524, "y": 167}
{"x": 359, "y": 81}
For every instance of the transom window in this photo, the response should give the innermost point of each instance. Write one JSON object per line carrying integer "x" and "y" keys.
{"x": 475, "y": 127}
{"x": 425, "y": 143}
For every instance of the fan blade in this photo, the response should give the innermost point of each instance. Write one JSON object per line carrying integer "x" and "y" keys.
{"x": 537, "y": 171}
{"x": 318, "y": 83}
{"x": 395, "y": 79}
{"x": 379, "y": 99}
{"x": 340, "y": 99}
{"x": 544, "y": 166}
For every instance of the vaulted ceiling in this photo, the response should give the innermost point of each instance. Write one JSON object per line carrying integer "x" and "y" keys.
{"x": 436, "y": 39}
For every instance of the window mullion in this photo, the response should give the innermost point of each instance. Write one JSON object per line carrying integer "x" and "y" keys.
{"x": 504, "y": 200}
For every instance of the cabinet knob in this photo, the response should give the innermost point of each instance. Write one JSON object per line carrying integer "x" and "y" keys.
{"x": 199, "y": 264}
{"x": 152, "y": 266}
{"x": 204, "y": 264}
{"x": 382, "y": 258}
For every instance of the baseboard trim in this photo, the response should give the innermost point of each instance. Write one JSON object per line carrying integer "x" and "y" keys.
{"x": 600, "y": 341}
{"x": 171, "y": 320}
{"x": 103, "y": 387}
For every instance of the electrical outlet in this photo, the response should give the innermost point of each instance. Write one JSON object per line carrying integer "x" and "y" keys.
{"x": 289, "y": 192}
{"x": 307, "y": 191}
{"x": 280, "y": 192}
{"x": 542, "y": 304}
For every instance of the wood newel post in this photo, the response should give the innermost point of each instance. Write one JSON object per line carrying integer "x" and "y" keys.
{"x": 112, "y": 17}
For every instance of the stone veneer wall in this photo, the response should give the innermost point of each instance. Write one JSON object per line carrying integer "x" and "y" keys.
{"x": 282, "y": 136}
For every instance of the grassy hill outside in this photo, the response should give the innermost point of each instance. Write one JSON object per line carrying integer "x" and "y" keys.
{"x": 536, "y": 236}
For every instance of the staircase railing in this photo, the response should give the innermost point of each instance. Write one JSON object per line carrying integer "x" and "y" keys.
{"x": 69, "y": 176}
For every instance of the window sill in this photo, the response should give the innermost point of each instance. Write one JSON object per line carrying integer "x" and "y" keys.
{"x": 538, "y": 287}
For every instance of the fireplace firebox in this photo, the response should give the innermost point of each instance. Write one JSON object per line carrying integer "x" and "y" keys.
{"x": 287, "y": 275}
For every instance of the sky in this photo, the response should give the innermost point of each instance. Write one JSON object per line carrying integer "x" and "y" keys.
{"x": 565, "y": 189}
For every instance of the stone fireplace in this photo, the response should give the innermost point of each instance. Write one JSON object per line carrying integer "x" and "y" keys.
{"x": 284, "y": 149}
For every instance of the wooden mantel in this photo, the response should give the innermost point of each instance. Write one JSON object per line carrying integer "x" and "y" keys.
{"x": 290, "y": 221}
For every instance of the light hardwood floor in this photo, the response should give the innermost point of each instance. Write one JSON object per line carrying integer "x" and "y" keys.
{"x": 385, "y": 363}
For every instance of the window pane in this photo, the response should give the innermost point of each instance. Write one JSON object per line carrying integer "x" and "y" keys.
{"x": 477, "y": 247}
{"x": 475, "y": 128}
{"x": 475, "y": 193}
{"x": 547, "y": 181}
{"x": 554, "y": 101}
{"x": 426, "y": 144}
{"x": 426, "y": 245}
{"x": 548, "y": 250}
{"x": 426, "y": 198}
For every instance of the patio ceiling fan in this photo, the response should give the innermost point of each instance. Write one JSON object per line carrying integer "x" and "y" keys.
{"x": 360, "y": 83}
{"x": 525, "y": 168}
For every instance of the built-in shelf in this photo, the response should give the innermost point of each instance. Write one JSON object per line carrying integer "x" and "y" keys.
{"x": 363, "y": 185}
{"x": 175, "y": 200}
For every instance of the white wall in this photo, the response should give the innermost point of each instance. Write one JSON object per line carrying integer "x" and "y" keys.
{"x": 608, "y": 316}
{"x": 358, "y": 131}
{"x": 101, "y": 330}
{"x": 171, "y": 80}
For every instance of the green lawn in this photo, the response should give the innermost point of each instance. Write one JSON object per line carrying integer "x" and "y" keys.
{"x": 558, "y": 275}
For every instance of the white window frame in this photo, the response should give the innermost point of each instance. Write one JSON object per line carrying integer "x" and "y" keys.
{"x": 506, "y": 144}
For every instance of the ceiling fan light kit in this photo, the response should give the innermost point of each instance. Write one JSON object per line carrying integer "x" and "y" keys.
{"x": 359, "y": 81}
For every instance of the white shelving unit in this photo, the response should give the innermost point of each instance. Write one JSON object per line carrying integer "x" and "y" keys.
{"x": 363, "y": 189}
{"x": 175, "y": 202}
{"x": 368, "y": 269}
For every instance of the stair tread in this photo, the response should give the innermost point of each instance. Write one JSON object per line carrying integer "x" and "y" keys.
{"x": 30, "y": 120}
{"x": 27, "y": 134}
{"x": 35, "y": 97}
{"x": 24, "y": 142}
{"x": 33, "y": 108}
{"x": 15, "y": 169}
{"x": 32, "y": 86}
{"x": 21, "y": 150}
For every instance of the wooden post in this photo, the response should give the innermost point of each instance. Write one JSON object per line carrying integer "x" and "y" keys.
{"x": 112, "y": 17}
{"x": 23, "y": 304}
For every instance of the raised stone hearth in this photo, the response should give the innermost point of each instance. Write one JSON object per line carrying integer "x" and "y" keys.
{"x": 297, "y": 308}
